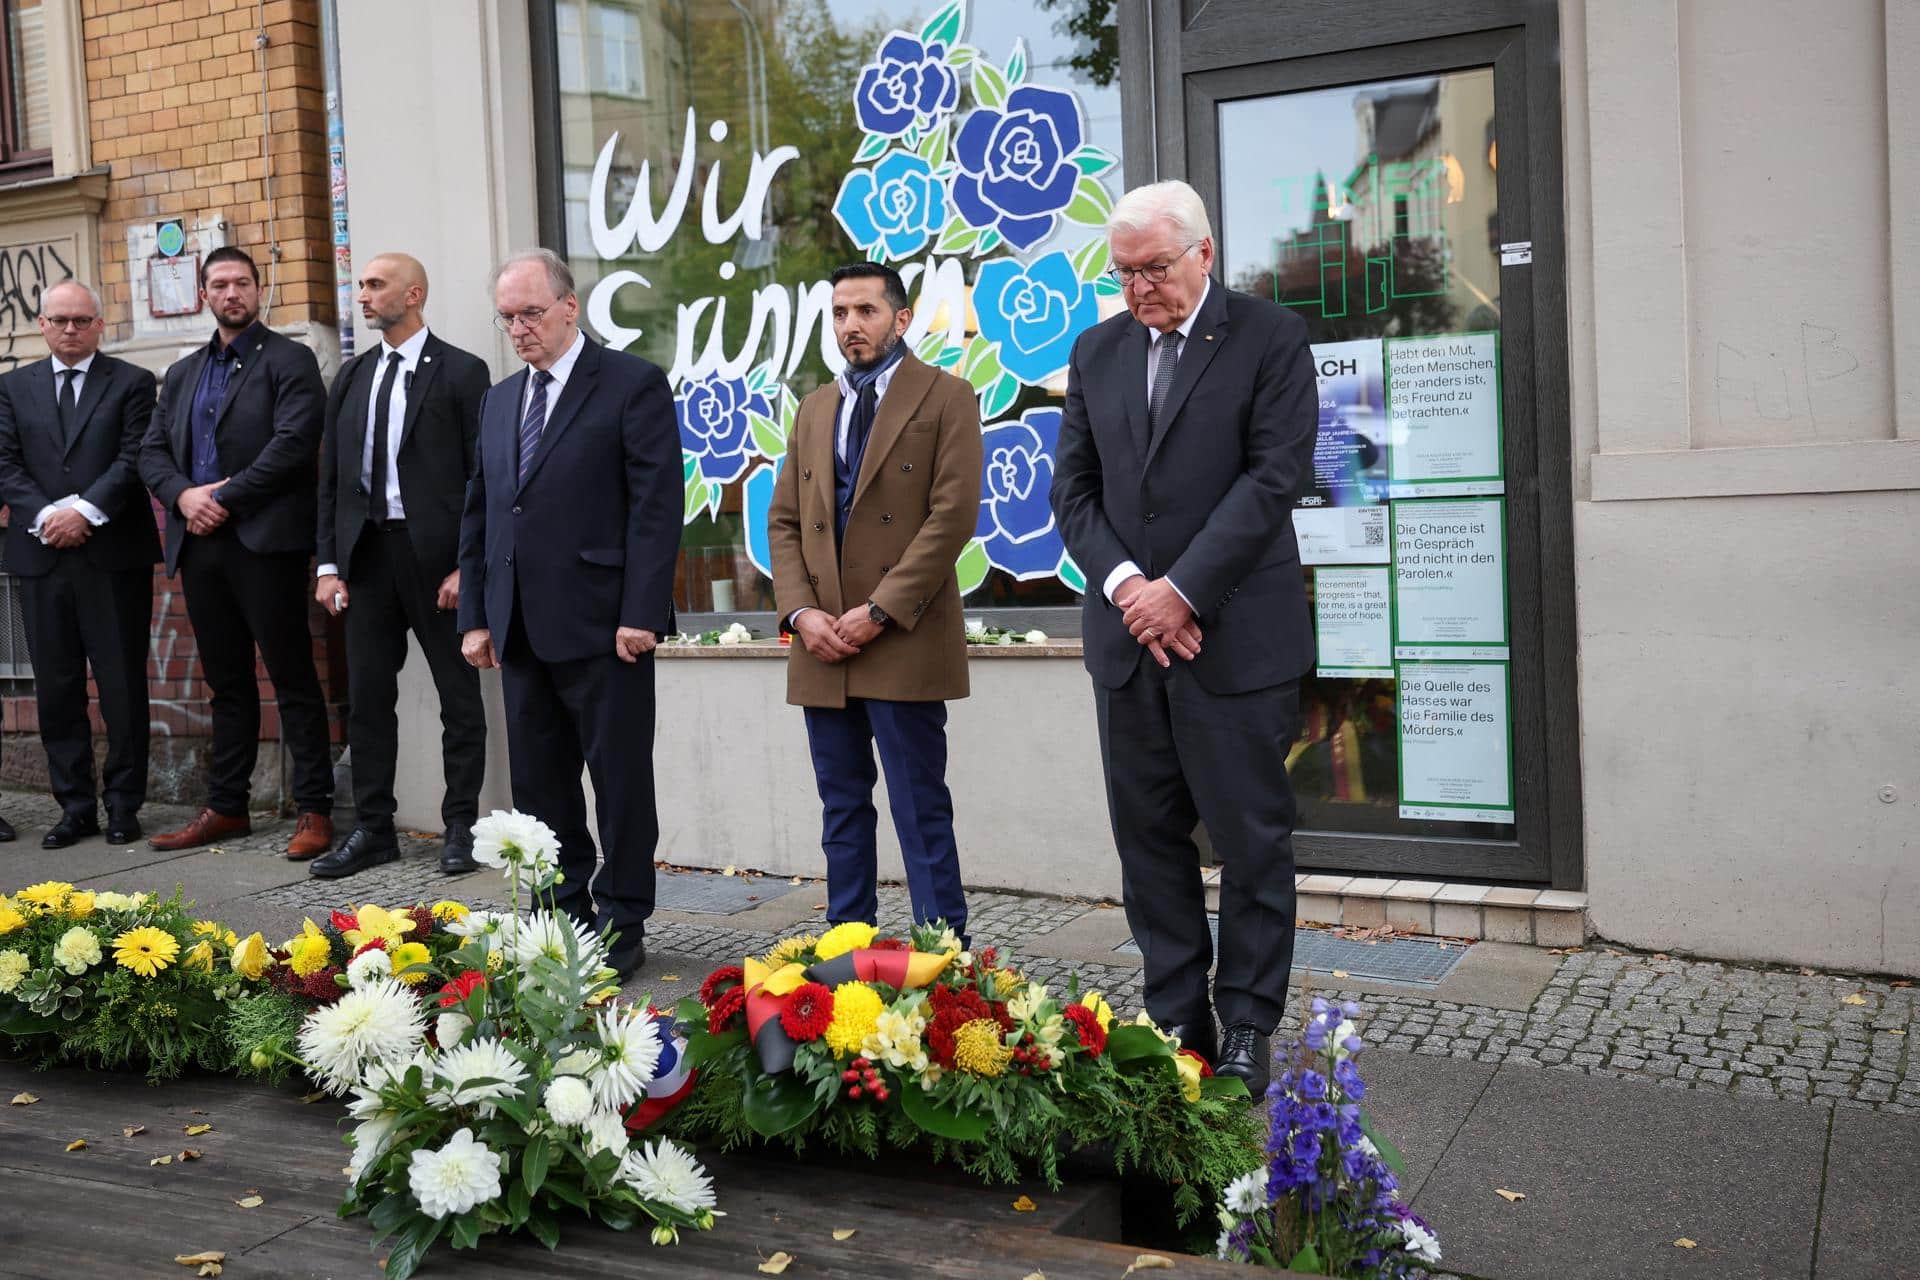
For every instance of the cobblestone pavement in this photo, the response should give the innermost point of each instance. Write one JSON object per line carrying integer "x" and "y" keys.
{"x": 1830, "y": 1040}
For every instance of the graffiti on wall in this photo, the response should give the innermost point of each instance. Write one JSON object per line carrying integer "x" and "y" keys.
{"x": 27, "y": 271}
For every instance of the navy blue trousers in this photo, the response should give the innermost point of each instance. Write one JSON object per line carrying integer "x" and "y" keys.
{"x": 912, "y": 738}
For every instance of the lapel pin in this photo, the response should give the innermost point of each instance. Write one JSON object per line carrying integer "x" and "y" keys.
{"x": 426, "y": 359}
{"x": 1208, "y": 337}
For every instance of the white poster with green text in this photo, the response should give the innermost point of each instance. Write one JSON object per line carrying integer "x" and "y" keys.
{"x": 1450, "y": 579}
{"x": 1443, "y": 415}
{"x": 1352, "y": 623}
{"x": 1456, "y": 742}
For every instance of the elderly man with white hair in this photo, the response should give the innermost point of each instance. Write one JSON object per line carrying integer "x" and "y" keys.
{"x": 1188, "y": 435}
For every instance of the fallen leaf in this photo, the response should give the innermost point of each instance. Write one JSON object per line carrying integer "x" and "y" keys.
{"x": 1148, "y": 1262}
{"x": 1896, "y": 1033}
{"x": 133, "y": 1130}
{"x": 1034, "y": 1275}
{"x": 819, "y": 906}
{"x": 1808, "y": 973}
{"x": 1341, "y": 973}
{"x": 209, "y": 1269}
{"x": 782, "y": 1260}
{"x": 1856, "y": 998}
{"x": 195, "y": 1259}
{"x": 1103, "y": 906}
{"x": 191, "y": 1153}
{"x": 1024, "y": 1205}
{"x": 1610, "y": 951}
{"x": 195, "y": 1130}
{"x": 1509, "y": 1196}
{"x": 732, "y": 870}
{"x": 1901, "y": 983}
{"x": 1684, "y": 1243}
{"x": 846, "y": 1233}
{"x": 315, "y": 1096}
{"x": 796, "y": 880}
{"x": 78, "y": 1144}
{"x": 250, "y": 1202}
{"x": 23, "y": 1100}
{"x": 160, "y": 1160}
{"x": 669, "y": 977}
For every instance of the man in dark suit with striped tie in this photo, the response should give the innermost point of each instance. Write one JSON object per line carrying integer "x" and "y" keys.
{"x": 567, "y": 554}
{"x": 83, "y": 546}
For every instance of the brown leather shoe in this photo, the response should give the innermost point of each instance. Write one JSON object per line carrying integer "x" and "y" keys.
{"x": 312, "y": 836}
{"x": 207, "y": 827}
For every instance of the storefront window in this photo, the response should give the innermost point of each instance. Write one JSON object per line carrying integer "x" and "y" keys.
{"x": 719, "y": 160}
{"x": 1371, "y": 211}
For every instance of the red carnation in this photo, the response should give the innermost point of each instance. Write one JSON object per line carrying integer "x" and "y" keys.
{"x": 807, "y": 1012}
{"x": 372, "y": 944}
{"x": 719, "y": 980}
{"x": 1086, "y": 1025}
{"x": 889, "y": 944}
{"x": 457, "y": 991}
{"x": 987, "y": 957}
{"x": 725, "y": 1009}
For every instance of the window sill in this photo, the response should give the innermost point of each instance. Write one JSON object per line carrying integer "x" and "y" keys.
{"x": 1062, "y": 647}
{"x": 1846, "y": 467}
{"x": 38, "y": 194}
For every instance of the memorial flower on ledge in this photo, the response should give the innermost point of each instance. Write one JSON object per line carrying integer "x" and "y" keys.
{"x": 459, "y": 1176}
{"x": 145, "y": 950}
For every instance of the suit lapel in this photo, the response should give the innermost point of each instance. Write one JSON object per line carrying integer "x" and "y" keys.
{"x": 818, "y": 447}
{"x": 92, "y": 390}
{"x": 40, "y": 375}
{"x": 1208, "y": 336}
{"x": 1133, "y": 383}
{"x": 422, "y": 383}
{"x": 353, "y": 410}
{"x": 561, "y": 413}
{"x": 243, "y": 366}
{"x": 905, "y": 390}
{"x": 181, "y": 428}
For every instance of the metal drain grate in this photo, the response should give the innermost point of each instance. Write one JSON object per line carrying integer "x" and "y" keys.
{"x": 1415, "y": 961}
{"x": 711, "y": 894}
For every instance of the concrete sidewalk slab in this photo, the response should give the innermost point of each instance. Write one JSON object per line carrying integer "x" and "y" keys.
{"x": 1868, "y": 1226}
{"x": 1418, "y": 1103}
{"x": 1615, "y": 1171}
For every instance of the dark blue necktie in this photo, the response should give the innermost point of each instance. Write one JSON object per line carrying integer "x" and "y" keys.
{"x": 536, "y": 420}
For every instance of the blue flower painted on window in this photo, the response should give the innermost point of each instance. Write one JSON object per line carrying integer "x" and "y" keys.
{"x": 911, "y": 83}
{"x": 899, "y": 205}
{"x": 1016, "y": 525}
{"x": 1034, "y": 312}
{"x": 714, "y": 426}
{"x": 1015, "y": 168}
{"x": 756, "y": 499}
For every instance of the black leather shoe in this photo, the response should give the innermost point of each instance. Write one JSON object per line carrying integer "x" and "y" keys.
{"x": 1197, "y": 1036}
{"x": 356, "y": 853}
{"x": 7, "y": 832}
{"x": 71, "y": 829}
{"x": 1247, "y": 1053}
{"x": 456, "y": 851}
{"x": 625, "y": 958}
{"x": 123, "y": 828}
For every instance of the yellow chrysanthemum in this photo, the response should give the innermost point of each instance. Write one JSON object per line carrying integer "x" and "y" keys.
{"x": 843, "y": 938}
{"x": 446, "y": 911}
{"x": 377, "y": 923}
{"x": 145, "y": 950}
{"x": 80, "y": 903}
{"x": 856, "y": 1015}
{"x": 1102, "y": 1011}
{"x": 251, "y": 958}
{"x": 411, "y": 953}
{"x": 788, "y": 950}
{"x": 11, "y": 920}
{"x": 978, "y": 1048}
{"x": 199, "y": 956}
{"x": 310, "y": 952}
{"x": 47, "y": 895}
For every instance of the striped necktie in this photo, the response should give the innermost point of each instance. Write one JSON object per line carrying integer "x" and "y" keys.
{"x": 1163, "y": 377}
{"x": 536, "y": 420}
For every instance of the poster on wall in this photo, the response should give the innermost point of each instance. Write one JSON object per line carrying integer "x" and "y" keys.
{"x": 1351, "y": 624}
{"x": 1342, "y": 518}
{"x": 1450, "y": 579}
{"x": 1456, "y": 742}
{"x": 1443, "y": 397}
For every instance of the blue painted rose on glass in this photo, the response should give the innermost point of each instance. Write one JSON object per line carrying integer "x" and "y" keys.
{"x": 1034, "y": 311}
{"x": 899, "y": 205}
{"x": 714, "y": 426}
{"x": 1016, "y": 525}
{"x": 1015, "y": 171}
{"x": 910, "y": 84}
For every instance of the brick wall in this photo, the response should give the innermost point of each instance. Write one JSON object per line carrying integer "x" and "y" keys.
{"x": 174, "y": 112}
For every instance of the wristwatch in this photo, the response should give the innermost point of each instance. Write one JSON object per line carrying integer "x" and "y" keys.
{"x": 877, "y": 614}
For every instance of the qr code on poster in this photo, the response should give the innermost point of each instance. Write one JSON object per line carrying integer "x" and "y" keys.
{"x": 1373, "y": 533}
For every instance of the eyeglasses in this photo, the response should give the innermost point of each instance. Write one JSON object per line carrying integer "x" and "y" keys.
{"x": 528, "y": 319}
{"x": 1155, "y": 274}
{"x": 68, "y": 322}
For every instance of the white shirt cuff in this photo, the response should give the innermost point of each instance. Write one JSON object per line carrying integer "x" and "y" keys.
{"x": 1121, "y": 572}
{"x": 95, "y": 516}
{"x": 795, "y": 615}
{"x": 326, "y": 569}
{"x": 41, "y": 519}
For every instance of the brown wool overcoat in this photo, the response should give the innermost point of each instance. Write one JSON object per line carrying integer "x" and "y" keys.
{"x": 915, "y": 505}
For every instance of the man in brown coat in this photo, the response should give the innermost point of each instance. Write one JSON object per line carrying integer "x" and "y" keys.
{"x": 879, "y": 494}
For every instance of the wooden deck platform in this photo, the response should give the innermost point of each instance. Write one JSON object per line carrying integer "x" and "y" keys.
{"x": 107, "y": 1211}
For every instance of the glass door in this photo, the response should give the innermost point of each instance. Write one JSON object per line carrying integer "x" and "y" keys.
{"x": 1377, "y": 194}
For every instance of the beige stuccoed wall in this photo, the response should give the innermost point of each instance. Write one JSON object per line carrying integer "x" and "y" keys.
{"x": 1741, "y": 189}
{"x": 439, "y": 136}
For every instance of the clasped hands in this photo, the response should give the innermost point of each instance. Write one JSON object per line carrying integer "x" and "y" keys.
{"x": 65, "y": 528}
{"x": 203, "y": 511}
{"x": 1158, "y": 617}
{"x": 832, "y": 639}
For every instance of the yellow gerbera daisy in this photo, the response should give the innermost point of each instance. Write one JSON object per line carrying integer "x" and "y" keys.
{"x": 788, "y": 950}
{"x": 411, "y": 953}
{"x": 199, "y": 956}
{"x": 978, "y": 1048}
{"x": 842, "y": 938}
{"x": 856, "y": 1015}
{"x": 46, "y": 895}
{"x": 11, "y": 920}
{"x": 145, "y": 950}
{"x": 378, "y": 924}
{"x": 80, "y": 903}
